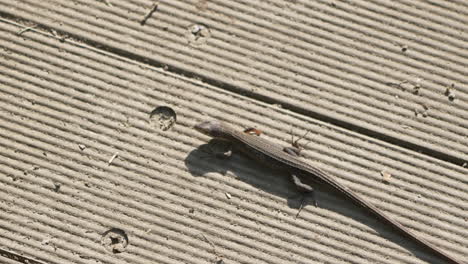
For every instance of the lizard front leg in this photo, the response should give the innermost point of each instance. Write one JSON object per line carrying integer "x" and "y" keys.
{"x": 220, "y": 149}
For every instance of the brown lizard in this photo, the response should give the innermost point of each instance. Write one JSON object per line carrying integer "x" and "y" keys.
{"x": 285, "y": 159}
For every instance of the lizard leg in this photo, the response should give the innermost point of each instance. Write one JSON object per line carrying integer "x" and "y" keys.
{"x": 292, "y": 150}
{"x": 305, "y": 189}
{"x": 223, "y": 155}
{"x": 296, "y": 148}
{"x": 219, "y": 152}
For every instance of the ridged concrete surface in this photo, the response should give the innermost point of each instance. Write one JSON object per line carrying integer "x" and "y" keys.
{"x": 10, "y": 257}
{"x": 66, "y": 109}
{"x": 338, "y": 61}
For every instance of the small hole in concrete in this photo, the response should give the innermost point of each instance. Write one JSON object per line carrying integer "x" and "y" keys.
{"x": 114, "y": 240}
{"x": 198, "y": 34}
{"x": 163, "y": 117}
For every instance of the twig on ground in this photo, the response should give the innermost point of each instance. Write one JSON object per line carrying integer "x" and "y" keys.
{"x": 150, "y": 12}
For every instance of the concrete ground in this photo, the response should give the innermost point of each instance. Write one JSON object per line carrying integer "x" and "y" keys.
{"x": 99, "y": 162}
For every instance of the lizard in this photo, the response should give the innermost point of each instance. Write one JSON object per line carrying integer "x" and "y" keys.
{"x": 286, "y": 160}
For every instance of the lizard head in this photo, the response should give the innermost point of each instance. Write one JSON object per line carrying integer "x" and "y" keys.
{"x": 212, "y": 128}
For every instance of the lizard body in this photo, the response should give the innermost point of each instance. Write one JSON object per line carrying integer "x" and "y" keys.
{"x": 276, "y": 157}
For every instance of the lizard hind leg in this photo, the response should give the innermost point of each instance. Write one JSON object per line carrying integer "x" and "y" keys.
{"x": 306, "y": 192}
{"x": 305, "y": 189}
{"x": 292, "y": 150}
{"x": 296, "y": 148}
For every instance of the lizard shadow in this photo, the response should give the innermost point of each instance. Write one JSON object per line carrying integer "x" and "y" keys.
{"x": 200, "y": 161}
